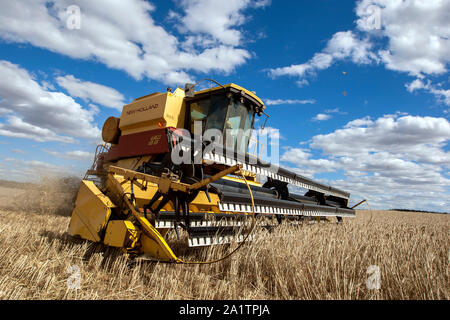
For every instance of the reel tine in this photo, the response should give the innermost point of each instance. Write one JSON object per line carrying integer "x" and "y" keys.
{"x": 176, "y": 204}
{"x": 185, "y": 208}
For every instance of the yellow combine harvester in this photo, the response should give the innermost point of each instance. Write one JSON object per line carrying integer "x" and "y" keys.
{"x": 178, "y": 161}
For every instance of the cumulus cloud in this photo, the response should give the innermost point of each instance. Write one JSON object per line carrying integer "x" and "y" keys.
{"x": 418, "y": 39}
{"x": 138, "y": 46}
{"x": 343, "y": 45}
{"x": 417, "y": 32}
{"x": 405, "y": 36}
{"x": 411, "y": 137}
{"x": 274, "y": 102}
{"x": 215, "y": 20}
{"x": 302, "y": 158}
{"x": 90, "y": 91}
{"x": 35, "y": 113}
{"x": 395, "y": 161}
{"x": 442, "y": 95}
{"x": 359, "y": 122}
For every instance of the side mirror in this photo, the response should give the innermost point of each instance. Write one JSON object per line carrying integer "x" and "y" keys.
{"x": 189, "y": 90}
{"x": 265, "y": 122}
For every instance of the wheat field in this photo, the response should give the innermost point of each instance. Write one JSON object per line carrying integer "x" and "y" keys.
{"x": 408, "y": 252}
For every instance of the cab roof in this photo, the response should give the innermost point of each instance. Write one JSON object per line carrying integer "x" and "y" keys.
{"x": 251, "y": 94}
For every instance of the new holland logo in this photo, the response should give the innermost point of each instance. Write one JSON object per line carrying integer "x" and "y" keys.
{"x": 154, "y": 140}
{"x": 142, "y": 109}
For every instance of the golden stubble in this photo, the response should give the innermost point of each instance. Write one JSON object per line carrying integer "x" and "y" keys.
{"x": 306, "y": 261}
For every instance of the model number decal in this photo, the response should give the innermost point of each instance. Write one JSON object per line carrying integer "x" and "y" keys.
{"x": 154, "y": 140}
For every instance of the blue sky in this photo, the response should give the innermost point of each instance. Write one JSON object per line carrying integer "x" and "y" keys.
{"x": 359, "y": 90}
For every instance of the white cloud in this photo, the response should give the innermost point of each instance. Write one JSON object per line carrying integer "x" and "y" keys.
{"x": 265, "y": 143}
{"x": 343, "y": 45}
{"x": 273, "y": 102}
{"x": 394, "y": 161}
{"x": 72, "y": 155}
{"x": 31, "y": 170}
{"x": 327, "y": 114}
{"x": 321, "y": 117}
{"x": 80, "y": 155}
{"x": 215, "y": 20}
{"x": 90, "y": 91}
{"x": 139, "y": 46}
{"x": 270, "y": 133}
{"x": 293, "y": 70}
{"x": 346, "y": 45}
{"x": 442, "y": 95}
{"x": 16, "y": 128}
{"x": 411, "y": 137}
{"x": 359, "y": 122}
{"x": 417, "y": 33}
{"x": 301, "y": 83}
{"x": 335, "y": 110}
{"x": 261, "y": 3}
{"x": 416, "y": 85}
{"x": 406, "y": 36}
{"x": 302, "y": 158}
{"x": 38, "y": 114}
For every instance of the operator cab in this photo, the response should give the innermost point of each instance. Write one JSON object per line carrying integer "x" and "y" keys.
{"x": 225, "y": 113}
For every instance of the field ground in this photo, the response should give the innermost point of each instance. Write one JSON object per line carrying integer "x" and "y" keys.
{"x": 409, "y": 251}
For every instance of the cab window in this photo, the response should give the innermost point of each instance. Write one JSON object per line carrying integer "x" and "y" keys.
{"x": 199, "y": 111}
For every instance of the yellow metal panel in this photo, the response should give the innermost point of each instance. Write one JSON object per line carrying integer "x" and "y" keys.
{"x": 143, "y": 114}
{"x": 160, "y": 249}
{"x": 199, "y": 204}
{"x": 153, "y": 111}
{"x": 142, "y": 196}
{"x": 175, "y": 109}
{"x": 240, "y": 180}
{"x": 121, "y": 234}
{"x": 91, "y": 213}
